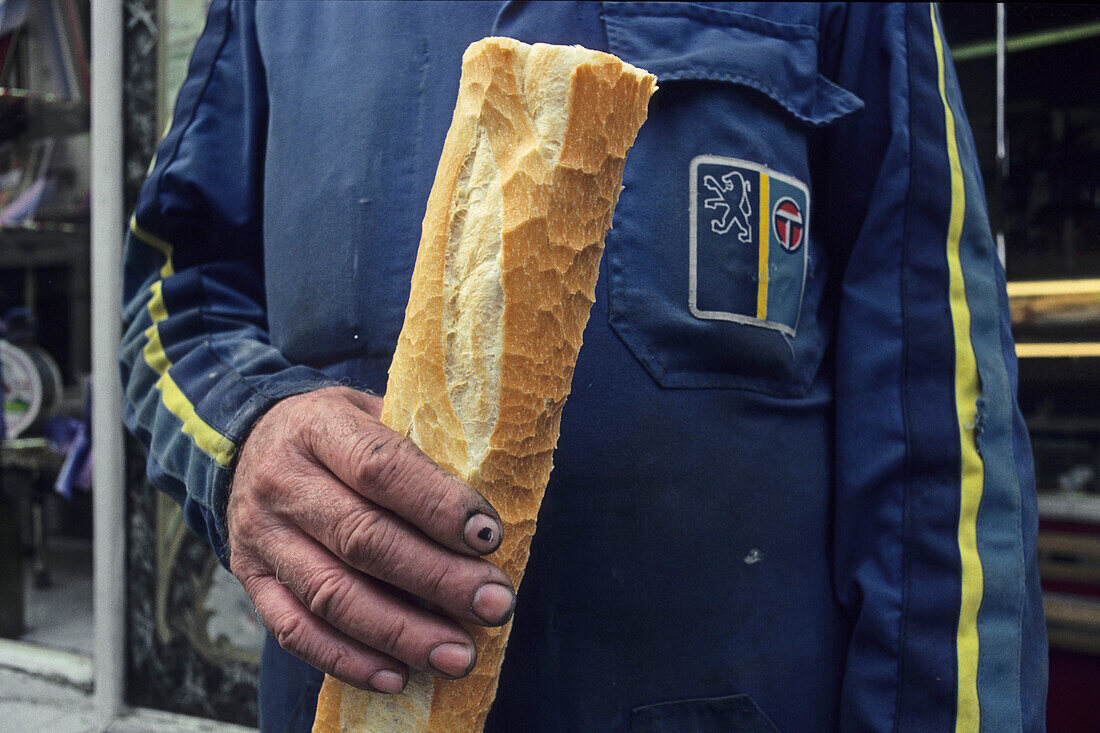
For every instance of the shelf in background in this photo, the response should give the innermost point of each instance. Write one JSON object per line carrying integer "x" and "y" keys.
{"x": 1054, "y": 302}
{"x": 1065, "y": 312}
{"x": 34, "y": 115}
{"x": 1057, "y": 350}
{"x": 1082, "y": 508}
{"x": 39, "y": 244}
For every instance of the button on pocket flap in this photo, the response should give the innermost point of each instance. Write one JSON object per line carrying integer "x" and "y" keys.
{"x": 680, "y": 41}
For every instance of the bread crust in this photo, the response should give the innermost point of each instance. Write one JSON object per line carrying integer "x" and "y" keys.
{"x": 559, "y": 122}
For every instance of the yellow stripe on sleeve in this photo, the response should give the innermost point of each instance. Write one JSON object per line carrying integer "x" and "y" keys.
{"x": 156, "y": 304}
{"x": 209, "y": 440}
{"x": 764, "y": 218}
{"x": 156, "y": 243}
{"x": 154, "y": 351}
{"x": 967, "y": 391}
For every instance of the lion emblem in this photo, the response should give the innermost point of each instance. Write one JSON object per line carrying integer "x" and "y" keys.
{"x": 733, "y": 187}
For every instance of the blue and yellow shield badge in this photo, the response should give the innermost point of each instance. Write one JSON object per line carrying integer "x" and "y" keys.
{"x": 749, "y": 227}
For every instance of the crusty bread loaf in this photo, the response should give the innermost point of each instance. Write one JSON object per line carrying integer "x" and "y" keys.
{"x": 503, "y": 284}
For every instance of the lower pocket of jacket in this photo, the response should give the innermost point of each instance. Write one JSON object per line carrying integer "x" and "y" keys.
{"x": 732, "y": 714}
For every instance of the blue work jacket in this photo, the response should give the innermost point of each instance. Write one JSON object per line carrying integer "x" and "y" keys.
{"x": 793, "y": 486}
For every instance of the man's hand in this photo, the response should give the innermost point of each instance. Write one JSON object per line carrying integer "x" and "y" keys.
{"x": 340, "y": 529}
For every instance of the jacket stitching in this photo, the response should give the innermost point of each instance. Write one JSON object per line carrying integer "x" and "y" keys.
{"x": 199, "y": 96}
{"x": 906, "y": 550}
{"x": 756, "y": 24}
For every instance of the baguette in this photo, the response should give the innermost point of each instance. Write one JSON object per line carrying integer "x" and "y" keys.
{"x": 503, "y": 284}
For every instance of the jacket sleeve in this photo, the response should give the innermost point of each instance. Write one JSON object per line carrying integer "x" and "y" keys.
{"x": 197, "y": 363}
{"x": 936, "y": 516}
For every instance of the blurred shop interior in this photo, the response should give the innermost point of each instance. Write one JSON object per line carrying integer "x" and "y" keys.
{"x": 191, "y": 642}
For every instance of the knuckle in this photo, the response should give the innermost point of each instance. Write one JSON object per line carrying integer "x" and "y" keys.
{"x": 330, "y": 594}
{"x": 370, "y": 540}
{"x": 293, "y": 635}
{"x": 290, "y": 630}
{"x": 340, "y": 665}
{"x": 393, "y": 464}
{"x": 391, "y": 634}
{"x": 435, "y": 577}
{"x": 377, "y": 459}
{"x": 349, "y": 665}
{"x": 433, "y": 506}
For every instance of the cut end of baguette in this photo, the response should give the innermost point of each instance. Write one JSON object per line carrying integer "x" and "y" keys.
{"x": 504, "y": 280}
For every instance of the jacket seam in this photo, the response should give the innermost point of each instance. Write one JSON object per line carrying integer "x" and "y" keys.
{"x": 906, "y": 548}
{"x": 193, "y": 112}
{"x": 769, "y": 91}
{"x": 727, "y": 18}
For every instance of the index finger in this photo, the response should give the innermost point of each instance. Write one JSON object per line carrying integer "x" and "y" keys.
{"x": 389, "y": 470}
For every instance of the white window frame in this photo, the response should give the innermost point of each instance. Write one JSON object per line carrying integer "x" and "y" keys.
{"x": 109, "y": 471}
{"x": 104, "y": 671}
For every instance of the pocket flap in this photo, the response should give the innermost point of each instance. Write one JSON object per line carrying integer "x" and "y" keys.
{"x": 735, "y": 714}
{"x": 680, "y": 41}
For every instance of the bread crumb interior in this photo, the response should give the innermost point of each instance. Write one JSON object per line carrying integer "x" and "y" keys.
{"x": 473, "y": 301}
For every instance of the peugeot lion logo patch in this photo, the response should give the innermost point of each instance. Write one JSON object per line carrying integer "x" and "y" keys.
{"x": 749, "y": 227}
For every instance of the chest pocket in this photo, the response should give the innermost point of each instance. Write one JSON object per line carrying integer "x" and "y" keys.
{"x": 714, "y": 276}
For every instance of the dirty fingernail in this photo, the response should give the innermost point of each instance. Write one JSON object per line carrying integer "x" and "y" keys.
{"x": 482, "y": 533}
{"x": 453, "y": 660}
{"x": 386, "y": 680}
{"x": 493, "y": 603}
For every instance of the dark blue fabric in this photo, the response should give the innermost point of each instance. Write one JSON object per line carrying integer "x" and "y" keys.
{"x": 288, "y": 691}
{"x": 684, "y": 41}
{"x": 352, "y": 191}
{"x": 734, "y": 714}
{"x": 735, "y": 510}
